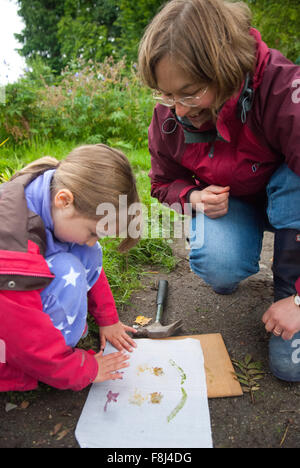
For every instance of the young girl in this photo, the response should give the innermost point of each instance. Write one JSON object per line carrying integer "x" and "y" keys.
{"x": 51, "y": 269}
{"x": 225, "y": 137}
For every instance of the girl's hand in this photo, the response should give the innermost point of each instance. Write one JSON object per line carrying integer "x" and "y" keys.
{"x": 212, "y": 201}
{"x": 108, "y": 366}
{"x": 117, "y": 336}
{"x": 284, "y": 316}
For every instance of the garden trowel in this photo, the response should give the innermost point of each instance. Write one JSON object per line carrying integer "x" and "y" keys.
{"x": 157, "y": 330}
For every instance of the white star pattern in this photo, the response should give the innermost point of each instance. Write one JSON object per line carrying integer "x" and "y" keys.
{"x": 71, "y": 277}
{"x": 71, "y": 319}
{"x": 60, "y": 326}
{"x": 48, "y": 261}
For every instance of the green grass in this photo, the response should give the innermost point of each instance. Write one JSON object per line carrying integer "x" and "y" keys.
{"x": 14, "y": 158}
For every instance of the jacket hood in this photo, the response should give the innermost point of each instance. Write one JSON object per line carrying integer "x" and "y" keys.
{"x": 22, "y": 240}
{"x": 18, "y": 223}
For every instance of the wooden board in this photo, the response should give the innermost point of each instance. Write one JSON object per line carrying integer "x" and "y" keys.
{"x": 219, "y": 370}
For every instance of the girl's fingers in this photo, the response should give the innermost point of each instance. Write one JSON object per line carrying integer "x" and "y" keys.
{"x": 109, "y": 366}
{"x": 112, "y": 358}
{"x": 113, "y": 372}
{"x": 121, "y": 344}
{"x": 119, "y": 355}
{"x": 115, "y": 376}
{"x": 130, "y": 329}
{"x": 102, "y": 342}
{"x": 128, "y": 342}
{"x": 117, "y": 362}
{"x": 124, "y": 342}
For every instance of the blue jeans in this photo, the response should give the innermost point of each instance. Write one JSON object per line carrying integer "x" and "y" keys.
{"x": 226, "y": 250}
{"x": 65, "y": 299}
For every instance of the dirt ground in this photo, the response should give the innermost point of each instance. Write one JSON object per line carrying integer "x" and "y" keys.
{"x": 48, "y": 417}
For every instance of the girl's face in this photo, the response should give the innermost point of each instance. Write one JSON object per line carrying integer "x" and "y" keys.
{"x": 70, "y": 226}
{"x": 176, "y": 83}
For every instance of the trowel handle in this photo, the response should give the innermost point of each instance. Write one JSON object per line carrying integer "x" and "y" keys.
{"x": 161, "y": 298}
{"x": 162, "y": 292}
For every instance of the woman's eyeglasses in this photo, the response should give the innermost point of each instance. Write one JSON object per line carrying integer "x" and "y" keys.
{"x": 188, "y": 101}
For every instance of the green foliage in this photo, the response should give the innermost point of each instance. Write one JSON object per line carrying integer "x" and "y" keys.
{"x": 250, "y": 372}
{"x": 124, "y": 270}
{"x": 89, "y": 102}
{"x": 87, "y": 29}
{"x": 39, "y": 36}
{"x": 132, "y": 20}
{"x": 278, "y": 24}
{"x": 63, "y": 30}
{"x": 20, "y": 114}
{"x": 18, "y": 110}
{"x": 14, "y": 158}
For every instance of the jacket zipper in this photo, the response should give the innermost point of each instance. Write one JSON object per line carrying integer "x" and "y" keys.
{"x": 211, "y": 151}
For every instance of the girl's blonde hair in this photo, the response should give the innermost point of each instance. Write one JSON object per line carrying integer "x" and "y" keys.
{"x": 94, "y": 174}
{"x": 209, "y": 39}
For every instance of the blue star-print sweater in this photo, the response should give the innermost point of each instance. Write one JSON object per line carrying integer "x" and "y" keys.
{"x": 65, "y": 299}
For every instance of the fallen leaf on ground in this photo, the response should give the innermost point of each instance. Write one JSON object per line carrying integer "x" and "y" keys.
{"x": 24, "y": 404}
{"x": 62, "y": 434}
{"x": 57, "y": 428}
{"x": 141, "y": 320}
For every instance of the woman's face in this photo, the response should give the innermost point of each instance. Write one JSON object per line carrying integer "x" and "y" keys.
{"x": 173, "y": 81}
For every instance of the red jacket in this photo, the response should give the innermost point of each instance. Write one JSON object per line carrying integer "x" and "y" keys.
{"x": 31, "y": 347}
{"x": 235, "y": 153}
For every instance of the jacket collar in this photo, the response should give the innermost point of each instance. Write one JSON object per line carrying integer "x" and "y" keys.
{"x": 38, "y": 196}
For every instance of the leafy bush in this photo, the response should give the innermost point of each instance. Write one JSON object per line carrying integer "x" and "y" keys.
{"x": 89, "y": 102}
{"x": 279, "y": 25}
{"x": 20, "y": 118}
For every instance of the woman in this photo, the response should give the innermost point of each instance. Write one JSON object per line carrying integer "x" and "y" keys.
{"x": 225, "y": 137}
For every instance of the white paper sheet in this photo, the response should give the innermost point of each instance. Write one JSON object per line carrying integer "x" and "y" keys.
{"x": 161, "y": 402}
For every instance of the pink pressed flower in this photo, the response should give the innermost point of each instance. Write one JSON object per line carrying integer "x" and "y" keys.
{"x": 110, "y": 397}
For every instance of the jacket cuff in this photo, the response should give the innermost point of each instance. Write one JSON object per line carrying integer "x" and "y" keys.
{"x": 185, "y": 199}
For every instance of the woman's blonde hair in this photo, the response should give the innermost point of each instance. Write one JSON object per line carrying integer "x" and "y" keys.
{"x": 94, "y": 174}
{"x": 209, "y": 39}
